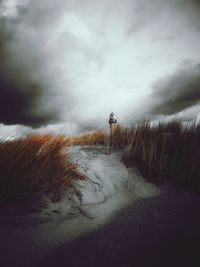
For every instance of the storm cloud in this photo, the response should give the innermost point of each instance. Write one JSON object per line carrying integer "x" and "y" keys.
{"x": 20, "y": 93}
{"x": 76, "y": 61}
{"x": 179, "y": 91}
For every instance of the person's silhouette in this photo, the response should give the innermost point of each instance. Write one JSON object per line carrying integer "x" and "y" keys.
{"x": 112, "y": 121}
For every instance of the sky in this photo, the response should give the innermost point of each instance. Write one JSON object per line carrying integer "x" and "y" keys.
{"x": 74, "y": 61}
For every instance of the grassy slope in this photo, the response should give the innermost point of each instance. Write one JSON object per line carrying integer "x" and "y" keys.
{"x": 33, "y": 165}
{"x": 40, "y": 163}
{"x": 160, "y": 152}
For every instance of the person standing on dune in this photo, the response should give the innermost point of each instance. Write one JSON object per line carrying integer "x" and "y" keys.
{"x": 112, "y": 120}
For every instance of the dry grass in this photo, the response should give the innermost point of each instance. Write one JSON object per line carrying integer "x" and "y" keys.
{"x": 166, "y": 151}
{"x": 91, "y": 138}
{"x": 39, "y": 164}
{"x": 33, "y": 165}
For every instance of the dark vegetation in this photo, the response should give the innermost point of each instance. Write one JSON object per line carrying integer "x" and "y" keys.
{"x": 162, "y": 152}
{"x": 40, "y": 163}
{"x": 34, "y": 165}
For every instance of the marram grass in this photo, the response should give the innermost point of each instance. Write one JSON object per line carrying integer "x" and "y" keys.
{"x": 162, "y": 152}
{"x": 33, "y": 165}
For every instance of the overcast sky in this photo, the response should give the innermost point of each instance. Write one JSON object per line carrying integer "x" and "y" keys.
{"x": 76, "y": 61}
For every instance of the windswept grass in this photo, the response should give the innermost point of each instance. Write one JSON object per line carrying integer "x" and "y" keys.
{"x": 163, "y": 151}
{"x": 40, "y": 163}
{"x": 33, "y": 165}
{"x": 91, "y": 138}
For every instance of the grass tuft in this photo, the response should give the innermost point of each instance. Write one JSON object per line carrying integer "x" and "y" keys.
{"x": 163, "y": 151}
{"x": 33, "y": 165}
{"x": 98, "y": 137}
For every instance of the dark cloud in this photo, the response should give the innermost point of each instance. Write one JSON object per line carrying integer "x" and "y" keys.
{"x": 56, "y": 57}
{"x": 178, "y": 91}
{"x": 17, "y": 106}
{"x": 19, "y": 94}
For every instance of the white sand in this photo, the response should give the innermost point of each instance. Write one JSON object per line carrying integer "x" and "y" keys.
{"x": 30, "y": 230}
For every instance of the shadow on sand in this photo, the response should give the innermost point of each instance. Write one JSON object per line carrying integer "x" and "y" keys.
{"x": 159, "y": 231}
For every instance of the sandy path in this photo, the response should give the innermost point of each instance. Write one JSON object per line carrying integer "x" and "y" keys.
{"x": 117, "y": 219}
{"x": 159, "y": 231}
